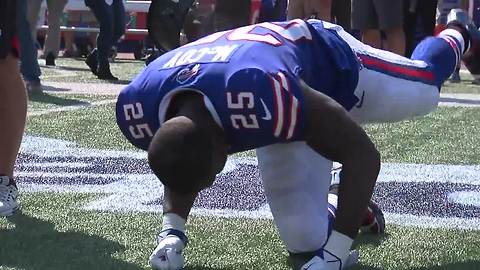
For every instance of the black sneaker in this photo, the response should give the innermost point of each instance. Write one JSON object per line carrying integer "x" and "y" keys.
{"x": 374, "y": 221}
{"x": 92, "y": 62}
{"x": 50, "y": 59}
{"x": 106, "y": 74}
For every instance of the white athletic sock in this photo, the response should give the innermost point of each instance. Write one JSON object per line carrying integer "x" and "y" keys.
{"x": 452, "y": 33}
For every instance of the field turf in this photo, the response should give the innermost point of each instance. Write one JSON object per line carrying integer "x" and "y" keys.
{"x": 62, "y": 230}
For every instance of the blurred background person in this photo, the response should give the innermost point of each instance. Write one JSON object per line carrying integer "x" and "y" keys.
{"x": 13, "y": 104}
{"x": 77, "y": 18}
{"x": 418, "y": 14}
{"x": 371, "y": 16}
{"x": 342, "y": 13}
{"x": 319, "y": 9}
{"x": 110, "y": 15}
{"x": 28, "y": 58}
{"x": 52, "y": 39}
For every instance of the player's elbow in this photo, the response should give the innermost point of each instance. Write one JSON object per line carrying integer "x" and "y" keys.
{"x": 366, "y": 158}
{"x": 375, "y": 160}
{"x": 371, "y": 160}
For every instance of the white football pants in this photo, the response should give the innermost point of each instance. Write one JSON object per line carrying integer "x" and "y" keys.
{"x": 296, "y": 179}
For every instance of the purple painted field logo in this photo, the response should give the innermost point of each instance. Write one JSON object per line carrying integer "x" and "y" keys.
{"x": 415, "y": 194}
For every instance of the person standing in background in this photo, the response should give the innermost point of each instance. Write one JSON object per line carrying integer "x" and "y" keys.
{"x": 82, "y": 19}
{"x": 110, "y": 15}
{"x": 303, "y": 9}
{"x": 28, "y": 58}
{"x": 371, "y": 16}
{"x": 13, "y": 104}
{"x": 425, "y": 10}
{"x": 52, "y": 39}
{"x": 342, "y": 13}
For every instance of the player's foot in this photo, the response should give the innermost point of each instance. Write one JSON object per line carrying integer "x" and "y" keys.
{"x": 459, "y": 20}
{"x": 8, "y": 196}
{"x": 92, "y": 62}
{"x": 374, "y": 221}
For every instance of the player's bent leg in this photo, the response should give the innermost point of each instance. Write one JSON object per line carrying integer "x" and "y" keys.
{"x": 386, "y": 98}
{"x": 393, "y": 88}
{"x": 296, "y": 181}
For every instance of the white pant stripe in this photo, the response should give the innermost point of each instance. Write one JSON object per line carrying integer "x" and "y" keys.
{"x": 277, "y": 90}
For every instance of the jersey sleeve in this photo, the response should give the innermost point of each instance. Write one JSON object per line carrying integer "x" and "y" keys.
{"x": 263, "y": 108}
{"x": 137, "y": 116}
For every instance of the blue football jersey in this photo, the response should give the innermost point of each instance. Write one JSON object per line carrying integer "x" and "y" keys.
{"x": 250, "y": 80}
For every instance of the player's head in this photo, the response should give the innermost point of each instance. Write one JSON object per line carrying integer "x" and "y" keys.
{"x": 186, "y": 154}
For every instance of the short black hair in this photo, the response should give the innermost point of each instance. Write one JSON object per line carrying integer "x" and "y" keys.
{"x": 180, "y": 155}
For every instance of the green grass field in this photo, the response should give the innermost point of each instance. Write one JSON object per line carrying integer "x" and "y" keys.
{"x": 53, "y": 231}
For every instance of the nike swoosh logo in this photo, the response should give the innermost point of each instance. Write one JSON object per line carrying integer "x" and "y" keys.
{"x": 360, "y": 103}
{"x": 268, "y": 115}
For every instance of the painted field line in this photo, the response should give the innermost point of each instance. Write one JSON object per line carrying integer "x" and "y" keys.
{"x": 73, "y": 107}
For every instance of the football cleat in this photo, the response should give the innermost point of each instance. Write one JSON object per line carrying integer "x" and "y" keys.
{"x": 8, "y": 196}
{"x": 374, "y": 221}
{"x": 458, "y": 19}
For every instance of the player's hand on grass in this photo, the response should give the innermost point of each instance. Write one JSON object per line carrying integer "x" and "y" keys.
{"x": 168, "y": 253}
{"x": 317, "y": 263}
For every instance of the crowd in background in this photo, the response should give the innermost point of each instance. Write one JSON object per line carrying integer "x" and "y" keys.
{"x": 396, "y": 26}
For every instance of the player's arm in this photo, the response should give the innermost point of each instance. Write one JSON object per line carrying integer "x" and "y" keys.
{"x": 172, "y": 239}
{"x": 186, "y": 153}
{"x": 176, "y": 203}
{"x": 332, "y": 133}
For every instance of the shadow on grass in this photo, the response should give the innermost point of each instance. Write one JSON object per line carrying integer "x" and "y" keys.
{"x": 193, "y": 267}
{"x": 370, "y": 239}
{"x": 470, "y": 265}
{"x": 36, "y": 244}
{"x": 51, "y": 99}
{"x": 68, "y": 68}
{"x": 120, "y": 82}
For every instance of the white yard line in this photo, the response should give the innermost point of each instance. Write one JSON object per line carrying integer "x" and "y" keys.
{"x": 72, "y": 108}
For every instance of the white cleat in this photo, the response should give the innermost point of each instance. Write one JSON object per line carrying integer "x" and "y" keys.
{"x": 8, "y": 197}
